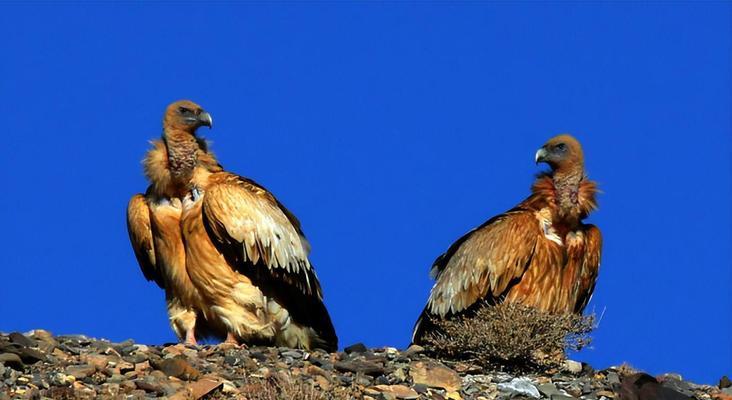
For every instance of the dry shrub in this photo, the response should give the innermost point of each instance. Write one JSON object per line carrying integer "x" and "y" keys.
{"x": 287, "y": 387}
{"x": 510, "y": 336}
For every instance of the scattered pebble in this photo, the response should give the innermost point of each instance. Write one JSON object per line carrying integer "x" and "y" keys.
{"x": 38, "y": 365}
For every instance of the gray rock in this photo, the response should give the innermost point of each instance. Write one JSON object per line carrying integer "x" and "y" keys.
{"x": 357, "y": 366}
{"x": 59, "y": 379}
{"x": 420, "y": 388}
{"x": 356, "y": 348}
{"x": 12, "y": 360}
{"x": 31, "y": 356}
{"x": 548, "y": 389}
{"x": 81, "y": 371}
{"x": 725, "y": 382}
{"x": 20, "y": 339}
{"x": 149, "y": 384}
{"x": 521, "y": 386}
{"x": 613, "y": 378}
{"x": 677, "y": 385}
{"x": 293, "y": 354}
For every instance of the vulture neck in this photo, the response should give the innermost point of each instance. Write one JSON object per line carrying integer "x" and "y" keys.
{"x": 182, "y": 155}
{"x": 567, "y": 186}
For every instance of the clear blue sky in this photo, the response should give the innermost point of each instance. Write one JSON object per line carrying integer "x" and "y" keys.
{"x": 390, "y": 129}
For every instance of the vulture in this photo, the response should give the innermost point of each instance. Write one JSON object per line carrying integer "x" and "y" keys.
{"x": 153, "y": 224}
{"x": 539, "y": 254}
{"x": 245, "y": 254}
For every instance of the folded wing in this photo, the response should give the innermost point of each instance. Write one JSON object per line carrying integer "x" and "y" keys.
{"x": 264, "y": 241}
{"x": 140, "y": 232}
{"x": 589, "y": 268}
{"x": 481, "y": 265}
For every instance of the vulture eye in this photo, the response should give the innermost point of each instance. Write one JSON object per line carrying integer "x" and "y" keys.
{"x": 561, "y": 147}
{"x": 183, "y": 110}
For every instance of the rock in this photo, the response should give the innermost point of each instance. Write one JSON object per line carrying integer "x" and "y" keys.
{"x": 420, "y": 388}
{"x": 149, "y": 385}
{"x": 60, "y": 379}
{"x": 12, "y": 360}
{"x": 356, "y": 348}
{"x": 573, "y": 367}
{"x": 30, "y": 356}
{"x": 179, "y": 368}
{"x": 292, "y": 354}
{"x": 678, "y": 385}
{"x": 434, "y": 374}
{"x": 43, "y": 336}
{"x": 20, "y": 339}
{"x": 413, "y": 349}
{"x": 358, "y": 366}
{"x": 81, "y": 371}
{"x": 521, "y": 386}
{"x": 109, "y": 389}
{"x": 725, "y": 382}
{"x": 548, "y": 389}
{"x": 322, "y": 382}
{"x": 130, "y": 371}
{"x": 203, "y": 387}
{"x": 397, "y": 391}
{"x": 97, "y": 360}
{"x": 645, "y": 387}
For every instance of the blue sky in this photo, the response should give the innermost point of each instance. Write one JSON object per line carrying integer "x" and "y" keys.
{"x": 390, "y": 129}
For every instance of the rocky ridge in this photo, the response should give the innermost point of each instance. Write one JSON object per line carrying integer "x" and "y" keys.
{"x": 38, "y": 365}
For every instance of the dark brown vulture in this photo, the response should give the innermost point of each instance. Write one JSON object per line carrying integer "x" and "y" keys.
{"x": 244, "y": 252}
{"x": 538, "y": 254}
{"x": 153, "y": 223}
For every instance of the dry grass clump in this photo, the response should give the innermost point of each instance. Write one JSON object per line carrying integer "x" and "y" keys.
{"x": 510, "y": 336}
{"x": 286, "y": 387}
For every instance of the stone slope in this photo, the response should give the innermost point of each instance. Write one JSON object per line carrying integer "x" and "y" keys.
{"x": 39, "y": 365}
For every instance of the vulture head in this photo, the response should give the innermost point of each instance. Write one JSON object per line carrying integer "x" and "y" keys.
{"x": 561, "y": 153}
{"x": 187, "y": 116}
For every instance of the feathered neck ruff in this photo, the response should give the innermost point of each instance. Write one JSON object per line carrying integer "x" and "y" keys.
{"x": 165, "y": 177}
{"x": 570, "y": 197}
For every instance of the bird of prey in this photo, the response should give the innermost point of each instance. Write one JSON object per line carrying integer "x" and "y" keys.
{"x": 153, "y": 223}
{"x": 245, "y": 253}
{"x": 539, "y": 254}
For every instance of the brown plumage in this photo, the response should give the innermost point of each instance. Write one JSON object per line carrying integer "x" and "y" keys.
{"x": 153, "y": 222}
{"x": 245, "y": 253}
{"x": 539, "y": 253}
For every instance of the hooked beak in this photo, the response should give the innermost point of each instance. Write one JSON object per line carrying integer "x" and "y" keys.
{"x": 205, "y": 119}
{"x": 540, "y": 155}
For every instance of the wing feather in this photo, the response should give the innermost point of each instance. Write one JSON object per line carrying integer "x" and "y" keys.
{"x": 248, "y": 223}
{"x": 140, "y": 232}
{"x": 264, "y": 241}
{"x": 590, "y": 266}
{"x": 484, "y": 262}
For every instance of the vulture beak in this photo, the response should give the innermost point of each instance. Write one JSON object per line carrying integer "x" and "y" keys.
{"x": 205, "y": 119}
{"x": 540, "y": 155}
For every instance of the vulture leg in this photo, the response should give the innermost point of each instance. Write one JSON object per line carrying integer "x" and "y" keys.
{"x": 231, "y": 339}
{"x": 191, "y": 338}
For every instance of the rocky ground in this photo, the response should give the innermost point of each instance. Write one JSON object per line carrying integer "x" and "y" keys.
{"x": 39, "y": 365}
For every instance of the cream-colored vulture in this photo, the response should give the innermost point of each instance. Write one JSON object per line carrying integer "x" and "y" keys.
{"x": 244, "y": 252}
{"x": 154, "y": 221}
{"x": 538, "y": 254}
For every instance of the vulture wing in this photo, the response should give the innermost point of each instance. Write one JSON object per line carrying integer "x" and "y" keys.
{"x": 481, "y": 265}
{"x": 589, "y": 268}
{"x": 138, "y": 227}
{"x": 264, "y": 241}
